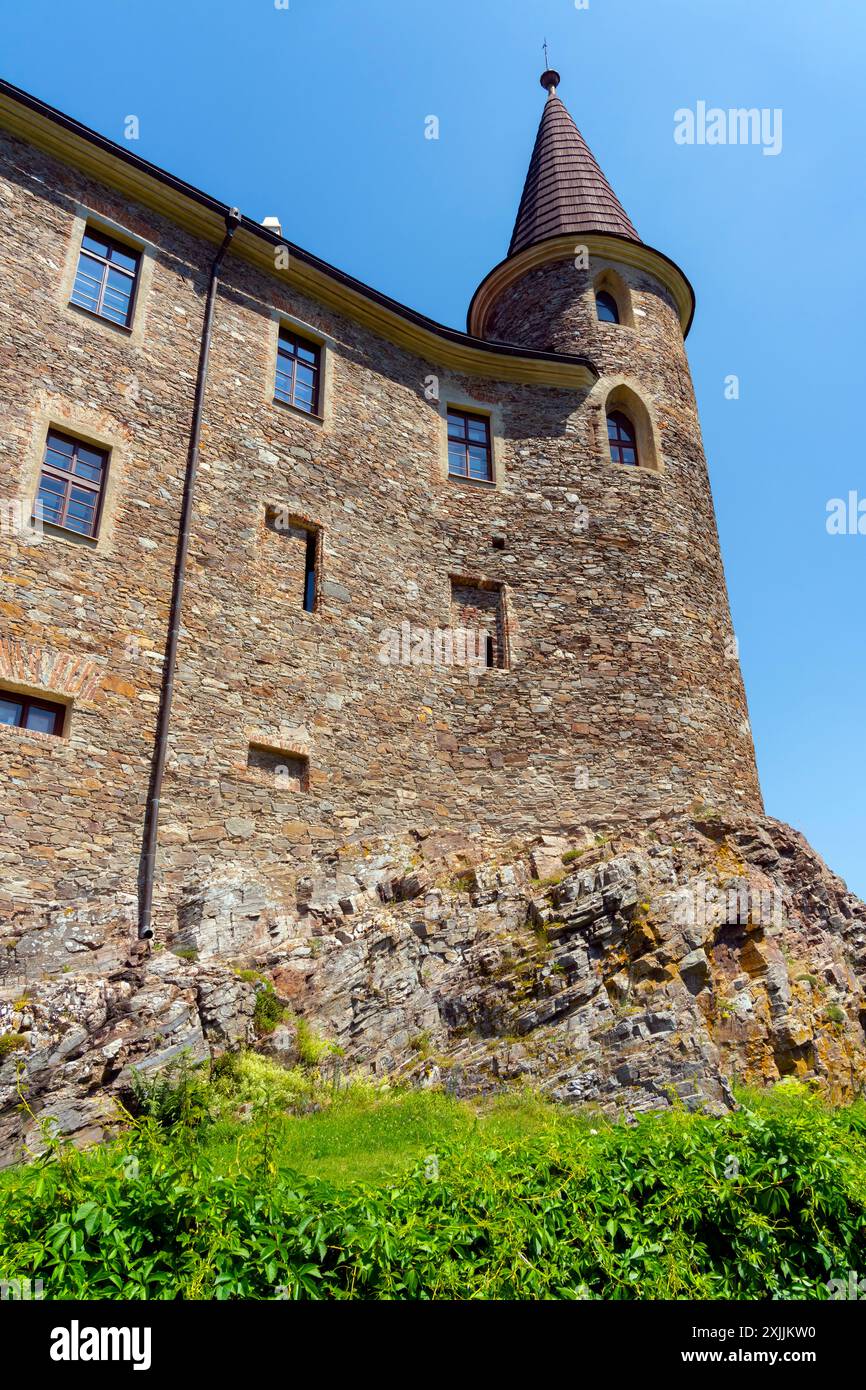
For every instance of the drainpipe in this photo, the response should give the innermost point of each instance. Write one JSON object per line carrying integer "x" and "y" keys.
{"x": 147, "y": 863}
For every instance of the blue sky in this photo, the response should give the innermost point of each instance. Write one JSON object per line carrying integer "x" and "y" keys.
{"x": 315, "y": 113}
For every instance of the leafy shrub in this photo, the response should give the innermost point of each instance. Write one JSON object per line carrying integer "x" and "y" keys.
{"x": 246, "y": 1078}
{"x": 647, "y": 1211}
{"x": 10, "y": 1042}
{"x": 176, "y": 1097}
{"x": 311, "y": 1048}
{"x": 268, "y": 1011}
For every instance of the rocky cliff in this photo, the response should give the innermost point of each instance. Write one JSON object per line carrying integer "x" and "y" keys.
{"x": 627, "y": 970}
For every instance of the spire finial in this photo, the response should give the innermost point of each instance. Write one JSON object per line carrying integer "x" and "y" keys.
{"x": 549, "y": 79}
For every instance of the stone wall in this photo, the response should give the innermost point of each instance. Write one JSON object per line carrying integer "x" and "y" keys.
{"x": 654, "y": 968}
{"x": 619, "y": 697}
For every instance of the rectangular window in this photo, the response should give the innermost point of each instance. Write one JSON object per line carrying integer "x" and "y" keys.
{"x": 72, "y": 483}
{"x": 28, "y": 712}
{"x": 469, "y": 451}
{"x": 298, "y": 372}
{"x": 106, "y": 278}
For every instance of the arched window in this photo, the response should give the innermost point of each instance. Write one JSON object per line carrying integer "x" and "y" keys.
{"x": 622, "y": 437}
{"x": 606, "y": 307}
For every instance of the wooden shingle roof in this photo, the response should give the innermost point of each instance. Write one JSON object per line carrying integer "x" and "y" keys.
{"x": 565, "y": 190}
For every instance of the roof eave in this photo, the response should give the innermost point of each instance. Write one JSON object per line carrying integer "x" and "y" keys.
{"x": 204, "y": 216}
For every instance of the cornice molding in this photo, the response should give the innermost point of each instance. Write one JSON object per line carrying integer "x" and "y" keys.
{"x": 605, "y": 245}
{"x": 204, "y": 217}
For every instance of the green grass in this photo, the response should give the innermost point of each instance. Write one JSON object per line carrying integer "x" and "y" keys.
{"x": 369, "y": 1138}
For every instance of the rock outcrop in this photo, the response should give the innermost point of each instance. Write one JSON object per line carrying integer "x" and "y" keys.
{"x": 628, "y": 971}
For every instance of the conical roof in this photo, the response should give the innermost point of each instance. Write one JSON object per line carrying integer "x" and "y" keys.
{"x": 565, "y": 190}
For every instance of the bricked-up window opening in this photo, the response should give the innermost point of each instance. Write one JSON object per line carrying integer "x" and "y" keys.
{"x": 622, "y": 437}
{"x": 606, "y": 307}
{"x": 71, "y": 483}
{"x": 298, "y": 372}
{"x": 28, "y": 712}
{"x": 287, "y": 771}
{"x": 106, "y": 278}
{"x": 469, "y": 451}
{"x": 478, "y": 608}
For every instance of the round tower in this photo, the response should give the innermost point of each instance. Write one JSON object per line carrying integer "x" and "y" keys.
{"x": 579, "y": 279}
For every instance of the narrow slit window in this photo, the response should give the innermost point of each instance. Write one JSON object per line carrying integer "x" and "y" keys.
{"x": 71, "y": 484}
{"x": 469, "y": 449}
{"x": 298, "y": 372}
{"x": 106, "y": 278}
{"x": 311, "y": 572}
{"x": 29, "y": 712}
{"x": 622, "y": 438}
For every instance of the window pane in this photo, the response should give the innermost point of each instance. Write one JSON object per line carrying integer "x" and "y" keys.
{"x": 88, "y": 283}
{"x": 607, "y": 308}
{"x": 90, "y": 242}
{"x": 80, "y": 513}
{"x": 89, "y": 463}
{"x": 478, "y": 430}
{"x": 478, "y": 466}
{"x": 52, "y": 504}
{"x": 116, "y": 315}
{"x": 456, "y": 425}
{"x": 128, "y": 259}
{"x": 82, "y": 497}
{"x": 42, "y": 720}
{"x": 10, "y": 712}
{"x": 60, "y": 444}
{"x": 628, "y": 456}
{"x": 306, "y": 354}
{"x": 457, "y": 459}
{"x": 57, "y": 460}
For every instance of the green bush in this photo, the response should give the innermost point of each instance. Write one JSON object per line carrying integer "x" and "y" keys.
{"x": 311, "y": 1048}
{"x": 10, "y": 1042}
{"x": 245, "y": 1078}
{"x": 654, "y": 1210}
{"x": 268, "y": 1011}
{"x": 176, "y": 1097}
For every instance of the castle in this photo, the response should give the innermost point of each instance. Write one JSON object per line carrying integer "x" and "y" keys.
{"x": 288, "y": 566}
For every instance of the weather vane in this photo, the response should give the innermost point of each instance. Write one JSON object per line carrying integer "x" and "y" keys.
{"x": 546, "y": 60}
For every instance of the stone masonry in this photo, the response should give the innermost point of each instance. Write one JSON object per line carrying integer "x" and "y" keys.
{"x": 613, "y": 690}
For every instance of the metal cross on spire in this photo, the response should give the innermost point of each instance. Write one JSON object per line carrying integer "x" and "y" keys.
{"x": 549, "y": 78}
